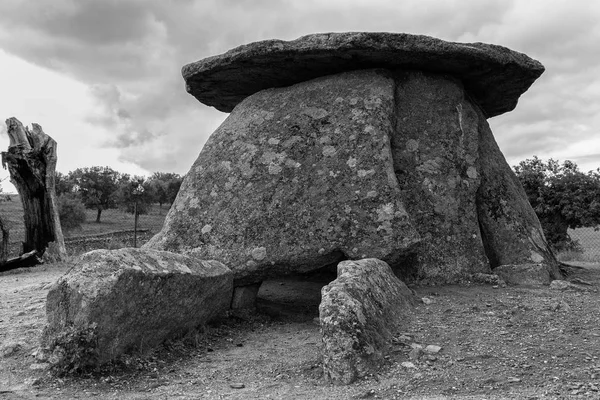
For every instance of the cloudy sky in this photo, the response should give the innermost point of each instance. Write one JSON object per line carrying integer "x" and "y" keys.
{"x": 103, "y": 77}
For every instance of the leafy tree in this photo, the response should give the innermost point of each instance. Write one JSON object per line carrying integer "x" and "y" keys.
{"x": 71, "y": 211}
{"x": 165, "y": 186}
{"x": 63, "y": 184}
{"x": 97, "y": 187}
{"x": 562, "y": 196}
{"x": 135, "y": 193}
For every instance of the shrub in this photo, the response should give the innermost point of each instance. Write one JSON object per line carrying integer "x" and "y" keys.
{"x": 71, "y": 211}
{"x": 562, "y": 197}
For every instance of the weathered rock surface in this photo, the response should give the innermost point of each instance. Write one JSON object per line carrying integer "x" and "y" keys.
{"x": 524, "y": 274}
{"x": 296, "y": 179}
{"x": 435, "y": 152}
{"x": 565, "y": 285}
{"x": 244, "y": 297}
{"x": 124, "y": 300}
{"x": 494, "y": 75}
{"x": 360, "y": 312}
{"x": 394, "y": 163}
{"x": 510, "y": 229}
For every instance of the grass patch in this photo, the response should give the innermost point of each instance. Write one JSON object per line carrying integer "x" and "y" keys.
{"x": 113, "y": 220}
{"x": 588, "y": 240}
{"x": 565, "y": 256}
{"x": 116, "y": 220}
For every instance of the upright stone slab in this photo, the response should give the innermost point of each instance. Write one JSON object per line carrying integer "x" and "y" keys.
{"x": 295, "y": 179}
{"x": 435, "y": 151}
{"x": 360, "y": 312}
{"x": 511, "y": 231}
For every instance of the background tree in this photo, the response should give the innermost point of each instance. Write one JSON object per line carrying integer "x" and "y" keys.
{"x": 165, "y": 186}
{"x": 135, "y": 192}
{"x": 63, "y": 184}
{"x": 71, "y": 211}
{"x": 562, "y": 196}
{"x": 136, "y": 196}
{"x": 97, "y": 187}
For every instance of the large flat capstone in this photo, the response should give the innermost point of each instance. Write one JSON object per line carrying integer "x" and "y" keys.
{"x": 494, "y": 76}
{"x": 360, "y": 312}
{"x": 114, "y": 302}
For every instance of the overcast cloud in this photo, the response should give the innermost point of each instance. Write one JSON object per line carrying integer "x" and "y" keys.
{"x": 126, "y": 57}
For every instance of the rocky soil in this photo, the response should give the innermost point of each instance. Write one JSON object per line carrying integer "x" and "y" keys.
{"x": 496, "y": 343}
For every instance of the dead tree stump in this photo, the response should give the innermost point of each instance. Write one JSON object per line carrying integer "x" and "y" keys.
{"x": 5, "y": 232}
{"x": 31, "y": 161}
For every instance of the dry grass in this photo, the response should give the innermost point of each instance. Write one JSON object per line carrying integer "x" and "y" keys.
{"x": 117, "y": 220}
{"x": 589, "y": 240}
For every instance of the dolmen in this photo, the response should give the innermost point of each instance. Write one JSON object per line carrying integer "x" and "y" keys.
{"x": 345, "y": 146}
{"x": 367, "y": 150}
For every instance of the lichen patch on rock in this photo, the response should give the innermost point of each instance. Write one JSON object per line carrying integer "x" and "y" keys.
{"x": 360, "y": 312}
{"x": 117, "y": 301}
{"x": 320, "y": 190}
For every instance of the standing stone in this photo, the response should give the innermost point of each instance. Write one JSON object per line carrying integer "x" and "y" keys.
{"x": 510, "y": 228}
{"x": 118, "y": 301}
{"x": 360, "y": 312}
{"x": 295, "y": 179}
{"x": 435, "y": 149}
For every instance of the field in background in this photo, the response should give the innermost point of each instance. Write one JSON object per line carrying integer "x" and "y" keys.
{"x": 589, "y": 240}
{"x": 114, "y": 230}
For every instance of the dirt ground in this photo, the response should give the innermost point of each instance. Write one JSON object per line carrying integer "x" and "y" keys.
{"x": 497, "y": 343}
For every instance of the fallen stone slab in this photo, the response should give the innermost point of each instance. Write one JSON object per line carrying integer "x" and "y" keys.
{"x": 494, "y": 75}
{"x": 130, "y": 300}
{"x": 524, "y": 274}
{"x": 360, "y": 312}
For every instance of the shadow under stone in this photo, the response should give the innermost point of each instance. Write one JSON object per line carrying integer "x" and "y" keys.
{"x": 294, "y": 298}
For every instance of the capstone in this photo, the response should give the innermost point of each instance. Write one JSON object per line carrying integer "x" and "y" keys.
{"x": 494, "y": 75}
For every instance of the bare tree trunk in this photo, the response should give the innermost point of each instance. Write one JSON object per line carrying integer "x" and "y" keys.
{"x": 4, "y": 244}
{"x": 31, "y": 160}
